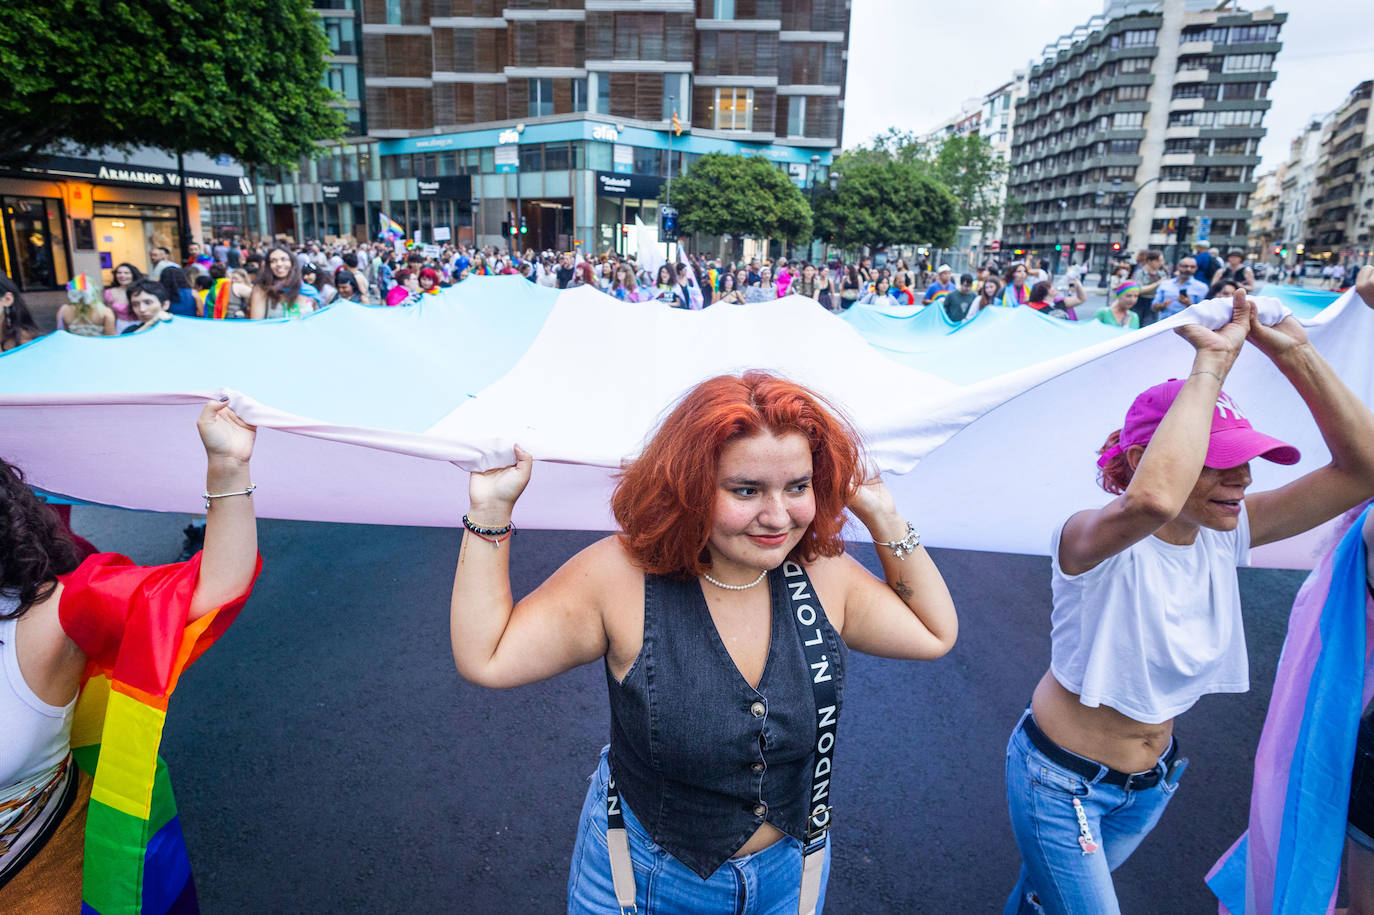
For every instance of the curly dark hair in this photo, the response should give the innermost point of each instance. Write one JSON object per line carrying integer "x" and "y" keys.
{"x": 34, "y": 546}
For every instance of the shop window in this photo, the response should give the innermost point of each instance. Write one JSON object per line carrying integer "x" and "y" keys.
{"x": 557, "y": 157}
{"x": 648, "y": 161}
{"x": 532, "y": 157}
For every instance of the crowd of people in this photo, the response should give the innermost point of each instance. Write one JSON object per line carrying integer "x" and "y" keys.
{"x": 235, "y": 279}
{"x": 729, "y": 530}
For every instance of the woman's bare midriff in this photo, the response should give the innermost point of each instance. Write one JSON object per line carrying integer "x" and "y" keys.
{"x": 1101, "y": 734}
{"x": 763, "y": 837}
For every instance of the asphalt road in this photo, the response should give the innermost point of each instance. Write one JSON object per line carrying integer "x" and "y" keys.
{"x": 328, "y": 758}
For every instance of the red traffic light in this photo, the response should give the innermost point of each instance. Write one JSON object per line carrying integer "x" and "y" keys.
{"x": 1116, "y": 247}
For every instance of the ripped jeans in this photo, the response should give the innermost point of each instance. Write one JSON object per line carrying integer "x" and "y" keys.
{"x": 1052, "y": 808}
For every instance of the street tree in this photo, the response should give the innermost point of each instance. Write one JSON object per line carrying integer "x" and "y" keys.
{"x": 242, "y": 78}
{"x": 733, "y": 195}
{"x": 879, "y": 202}
{"x": 975, "y": 174}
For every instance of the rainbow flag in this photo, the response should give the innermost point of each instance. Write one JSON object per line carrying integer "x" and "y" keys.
{"x": 1289, "y": 860}
{"x": 131, "y": 621}
{"x": 939, "y": 294}
{"x": 78, "y": 283}
{"x": 217, "y": 301}
{"x": 391, "y": 229}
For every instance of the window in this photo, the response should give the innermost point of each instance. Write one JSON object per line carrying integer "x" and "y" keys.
{"x": 557, "y": 157}
{"x": 340, "y": 34}
{"x": 531, "y": 157}
{"x": 734, "y": 109}
{"x": 393, "y": 12}
{"x": 1123, "y": 147}
{"x": 541, "y": 97}
{"x": 1228, "y": 147}
{"x": 648, "y": 161}
{"x": 1133, "y": 65}
{"x": 603, "y": 93}
{"x": 1213, "y": 33}
{"x": 1128, "y": 119}
{"x": 796, "y": 116}
{"x": 723, "y": 9}
{"x": 579, "y": 94}
{"x": 1238, "y": 63}
{"x": 1251, "y": 34}
{"x": 1131, "y": 93}
{"x": 1244, "y": 90}
{"x": 1138, "y": 38}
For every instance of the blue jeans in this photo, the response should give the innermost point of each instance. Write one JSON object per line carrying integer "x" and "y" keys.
{"x": 766, "y": 882}
{"x": 1057, "y": 877}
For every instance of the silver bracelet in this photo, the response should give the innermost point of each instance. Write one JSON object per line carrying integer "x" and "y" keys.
{"x": 207, "y": 495}
{"x": 908, "y": 544}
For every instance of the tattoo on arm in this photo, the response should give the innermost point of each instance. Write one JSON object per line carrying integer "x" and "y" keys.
{"x": 903, "y": 589}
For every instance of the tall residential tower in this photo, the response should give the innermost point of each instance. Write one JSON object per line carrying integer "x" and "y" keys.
{"x": 1141, "y": 128}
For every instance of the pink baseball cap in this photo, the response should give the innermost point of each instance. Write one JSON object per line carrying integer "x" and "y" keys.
{"x": 1233, "y": 442}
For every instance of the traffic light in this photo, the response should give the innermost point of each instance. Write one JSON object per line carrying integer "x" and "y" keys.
{"x": 523, "y": 227}
{"x": 667, "y": 223}
{"x": 1183, "y": 229}
{"x": 1116, "y": 247}
{"x": 1058, "y": 247}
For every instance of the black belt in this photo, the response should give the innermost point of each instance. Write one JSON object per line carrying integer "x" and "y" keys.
{"x": 1131, "y": 781}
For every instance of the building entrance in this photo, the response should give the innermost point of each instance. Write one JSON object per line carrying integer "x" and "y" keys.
{"x": 35, "y": 254}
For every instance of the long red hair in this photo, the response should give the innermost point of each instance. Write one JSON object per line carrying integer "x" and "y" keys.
{"x": 663, "y": 501}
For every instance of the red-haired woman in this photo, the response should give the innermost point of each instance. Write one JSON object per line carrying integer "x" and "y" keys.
{"x": 1147, "y": 615}
{"x": 722, "y": 611}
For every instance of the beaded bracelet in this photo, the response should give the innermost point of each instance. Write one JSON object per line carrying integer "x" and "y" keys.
{"x": 492, "y": 535}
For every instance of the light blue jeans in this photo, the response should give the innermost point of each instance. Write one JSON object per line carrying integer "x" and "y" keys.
{"x": 766, "y": 882}
{"x": 1057, "y": 877}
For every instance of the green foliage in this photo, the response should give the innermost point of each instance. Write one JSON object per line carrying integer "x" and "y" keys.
{"x": 974, "y": 173}
{"x": 235, "y": 77}
{"x": 724, "y": 194}
{"x": 883, "y": 201}
{"x": 965, "y": 166}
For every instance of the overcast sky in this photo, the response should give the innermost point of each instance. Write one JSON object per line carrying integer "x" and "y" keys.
{"x": 912, "y": 65}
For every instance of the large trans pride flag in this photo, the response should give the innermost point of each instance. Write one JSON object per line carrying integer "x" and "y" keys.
{"x": 1289, "y": 859}
{"x": 987, "y": 431}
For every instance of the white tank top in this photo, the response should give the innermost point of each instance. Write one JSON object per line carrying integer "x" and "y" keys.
{"x": 37, "y": 735}
{"x": 1154, "y": 628}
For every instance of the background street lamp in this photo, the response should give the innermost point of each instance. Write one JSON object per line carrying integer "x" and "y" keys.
{"x": 812, "y": 173}
{"x": 1111, "y": 230}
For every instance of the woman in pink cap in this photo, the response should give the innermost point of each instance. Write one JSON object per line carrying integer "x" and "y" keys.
{"x": 1146, "y": 613}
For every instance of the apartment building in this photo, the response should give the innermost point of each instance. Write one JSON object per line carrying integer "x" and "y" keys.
{"x": 1340, "y": 220}
{"x": 1143, "y": 117}
{"x": 475, "y": 117}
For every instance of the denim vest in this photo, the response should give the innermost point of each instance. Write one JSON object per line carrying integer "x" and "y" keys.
{"x": 700, "y": 756}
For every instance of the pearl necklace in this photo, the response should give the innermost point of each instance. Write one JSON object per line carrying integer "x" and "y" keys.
{"x": 721, "y": 584}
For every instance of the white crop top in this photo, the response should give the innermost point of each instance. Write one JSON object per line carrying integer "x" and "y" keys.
{"x": 1154, "y": 628}
{"x": 36, "y": 735}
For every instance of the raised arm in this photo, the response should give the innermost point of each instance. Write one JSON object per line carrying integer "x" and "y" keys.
{"x": 1166, "y": 470}
{"x": 231, "y": 531}
{"x": 499, "y": 643}
{"x": 1346, "y": 425}
{"x": 908, "y": 615}
{"x": 1078, "y": 297}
